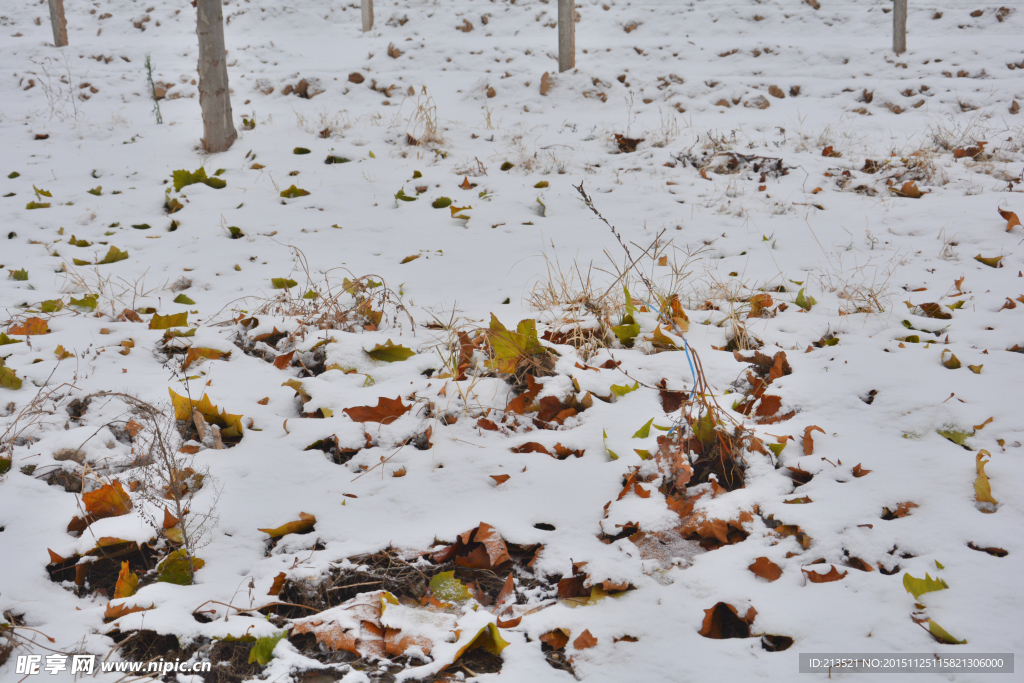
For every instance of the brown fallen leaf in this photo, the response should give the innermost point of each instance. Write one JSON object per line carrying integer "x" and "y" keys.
{"x": 585, "y": 640}
{"x": 283, "y": 361}
{"x": 197, "y": 353}
{"x": 113, "y": 611}
{"x": 1011, "y": 219}
{"x": 110, "y": 500}
{"x": 545, "y": 83}
{"x": 275, "y": 588}
{"x": 30, "y": 327}
{"x": 556, "y": 639}
{"x": 766, "y": 569}
{"x": 808, "y": 440}
{"x": 902, "y": 510}
{"x": 815, "y": 577}
{"x": 859, "y": 471}
{"x": 478, "y": 548}
{"x": 500, "y": 478}
{"x": 387, "y": 411}
{"x": 723, "y": 621}
{"x": 910, "y": 190}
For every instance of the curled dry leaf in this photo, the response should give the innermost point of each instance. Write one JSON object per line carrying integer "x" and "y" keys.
{"x": 808, "y": 440}
{"x": 1011, "y": 219}
{"x": 500, "y": 478}
{"x": 479, "y": 548}
{"x": 302, "y": 525}
{"x": 723, "y": 621}
{"x": 556, "y": 639}
{"x": 815, "y": 577}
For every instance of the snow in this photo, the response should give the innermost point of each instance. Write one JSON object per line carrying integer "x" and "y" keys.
{"x": 852, "y": 245}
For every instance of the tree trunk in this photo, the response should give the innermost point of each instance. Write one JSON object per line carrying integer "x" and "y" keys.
{"x": 566, "y": 34}
{"x": 899, "y": 27}
{"x": 59, "y": 23}
{"x": 367, "y": 7}
{"x": 214, "y": 98}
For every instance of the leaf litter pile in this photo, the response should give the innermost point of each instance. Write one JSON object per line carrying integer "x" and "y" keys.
{"x": 455, "y": 366}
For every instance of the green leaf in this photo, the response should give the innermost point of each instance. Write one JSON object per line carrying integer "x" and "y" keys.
{"x": 235, "y": 232}
{"x": 141, "y": 226}
{"x": 958, "y": 304}
{"x": 5, "y": 466}
{"x": 541, "y": 185}
{"x": 41, "y": 193}
{"x": 97, "y": 191}
{"x": 990, "y": 261}
{"x": 293, "y": 192}
{"x": 390, "y": 353}
{"x": 622, "y": 389}
{"x": 8, "y": 380}
{"x": 403, "y": 197}
{"x": 507, "y": 166}
{"x": 182, "y": 299}
{"x": 777, "y": 448}
{"x": 704, "y": 429}
{"x": 447, "y": 588}
{"x": 626, "y": 332}
{"x": 956, "y": 436}
{"x": 804, "y": 302}
{"x": 13, "y": 174}
{"x": 300, "y": 150}
{"x": 51, "y": 305}
{"x": 184, "y": 178}
{"x": 282, "y": 282}
{"x": 165, "y": 322}
{"x": 87, "y": 301}
{"x": 37, "y": 205}
{"x": 175, "y": 568}
{"x": 942, "y": 634}
{"x": 441, "y": 203}
{"x": 644, "y": 431}
{"x": 912, "y": 339}
{"x": 509, "y": 347}
{"x": 216, "y": 183}
{"x": 310, "y": 295}
{"x": 918, "y": 587}
{"x": 263, "y": 650}
{"x": 113, "y": 256}
{"x": 4, "y": 340}
{"x": 19, "y": 274}
{"x": 630, "y": 308}
{"x": 78, "y": 243}
{"x": 372, "y": 155}
{"x": 416, "y": 174}
{"x": 336, "y": 160}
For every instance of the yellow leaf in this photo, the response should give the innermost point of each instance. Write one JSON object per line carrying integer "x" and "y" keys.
{"x": 163, "y": 322}
{"x": 660, "y": 339}
{"x": 61, "y": 353}
{"x": 982, "y": 488}
{"x": 196, "y": 353}
{"x": 410, "y": 258}
{"x": 127, "y": 583}
{"x": 230, "y": 425}
{"x": 488, "y": 638}
{"x": 303, "y": 524}
{"x": 942, "y": 635}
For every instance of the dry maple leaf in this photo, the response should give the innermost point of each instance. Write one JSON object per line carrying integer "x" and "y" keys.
{"x": 766, "y": 569}
{"x": 30, "y": 327}
{"x": 585, "y": 640}
{"x": 814, "y": 577}
{"x": 110, "y": 500}
{"x": 1011, "y": 219}
{"x": 387, "y": 411}
{"x": 808, "y": 440}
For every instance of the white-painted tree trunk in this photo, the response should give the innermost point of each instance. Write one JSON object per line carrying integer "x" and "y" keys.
{"x": 59, "y": 23}
{"x": 899, "y": 26}
{"x": 367, "y": 14}
{"x": 214, "y": 97}
{"x": 566, "y": 34}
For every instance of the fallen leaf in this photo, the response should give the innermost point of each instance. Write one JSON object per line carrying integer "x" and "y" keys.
{"x": 127, "y": 583}
{"x": 387, "y": 411}
{"x": 723, "y": 621}
{"x": 556, "y": 639}
{"x": 584, "y": 641}
{"x": 284, "y": 361}
{"x": 302, "y": 525}
{"x": 808, "y": 440}
{"x": 113, "y": 611}
{"x": 1011, "y": 219}
{"x": 918, "y": 587}
{"x": 500, "y": 478}
{"x": 942, "y": 635}
{"x": 766, "y": 569}
{"x": 196, "y": 353}
{"x": 982, "y": 487}
{"x": 390, "y": 352}
{"x": 814, "y": 577}
{"x": 175, "y": 568}
{"x": 953, "y": 363}
{"x": 110, "y": 500}
{"x": 32, "y": 326}
{"x": 990, "y": 261}
{"x": 164, "y": 322}
{"x": 277, "y": 585}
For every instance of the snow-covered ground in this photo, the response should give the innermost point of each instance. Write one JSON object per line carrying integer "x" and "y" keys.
{"x": 771, "y": 151}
